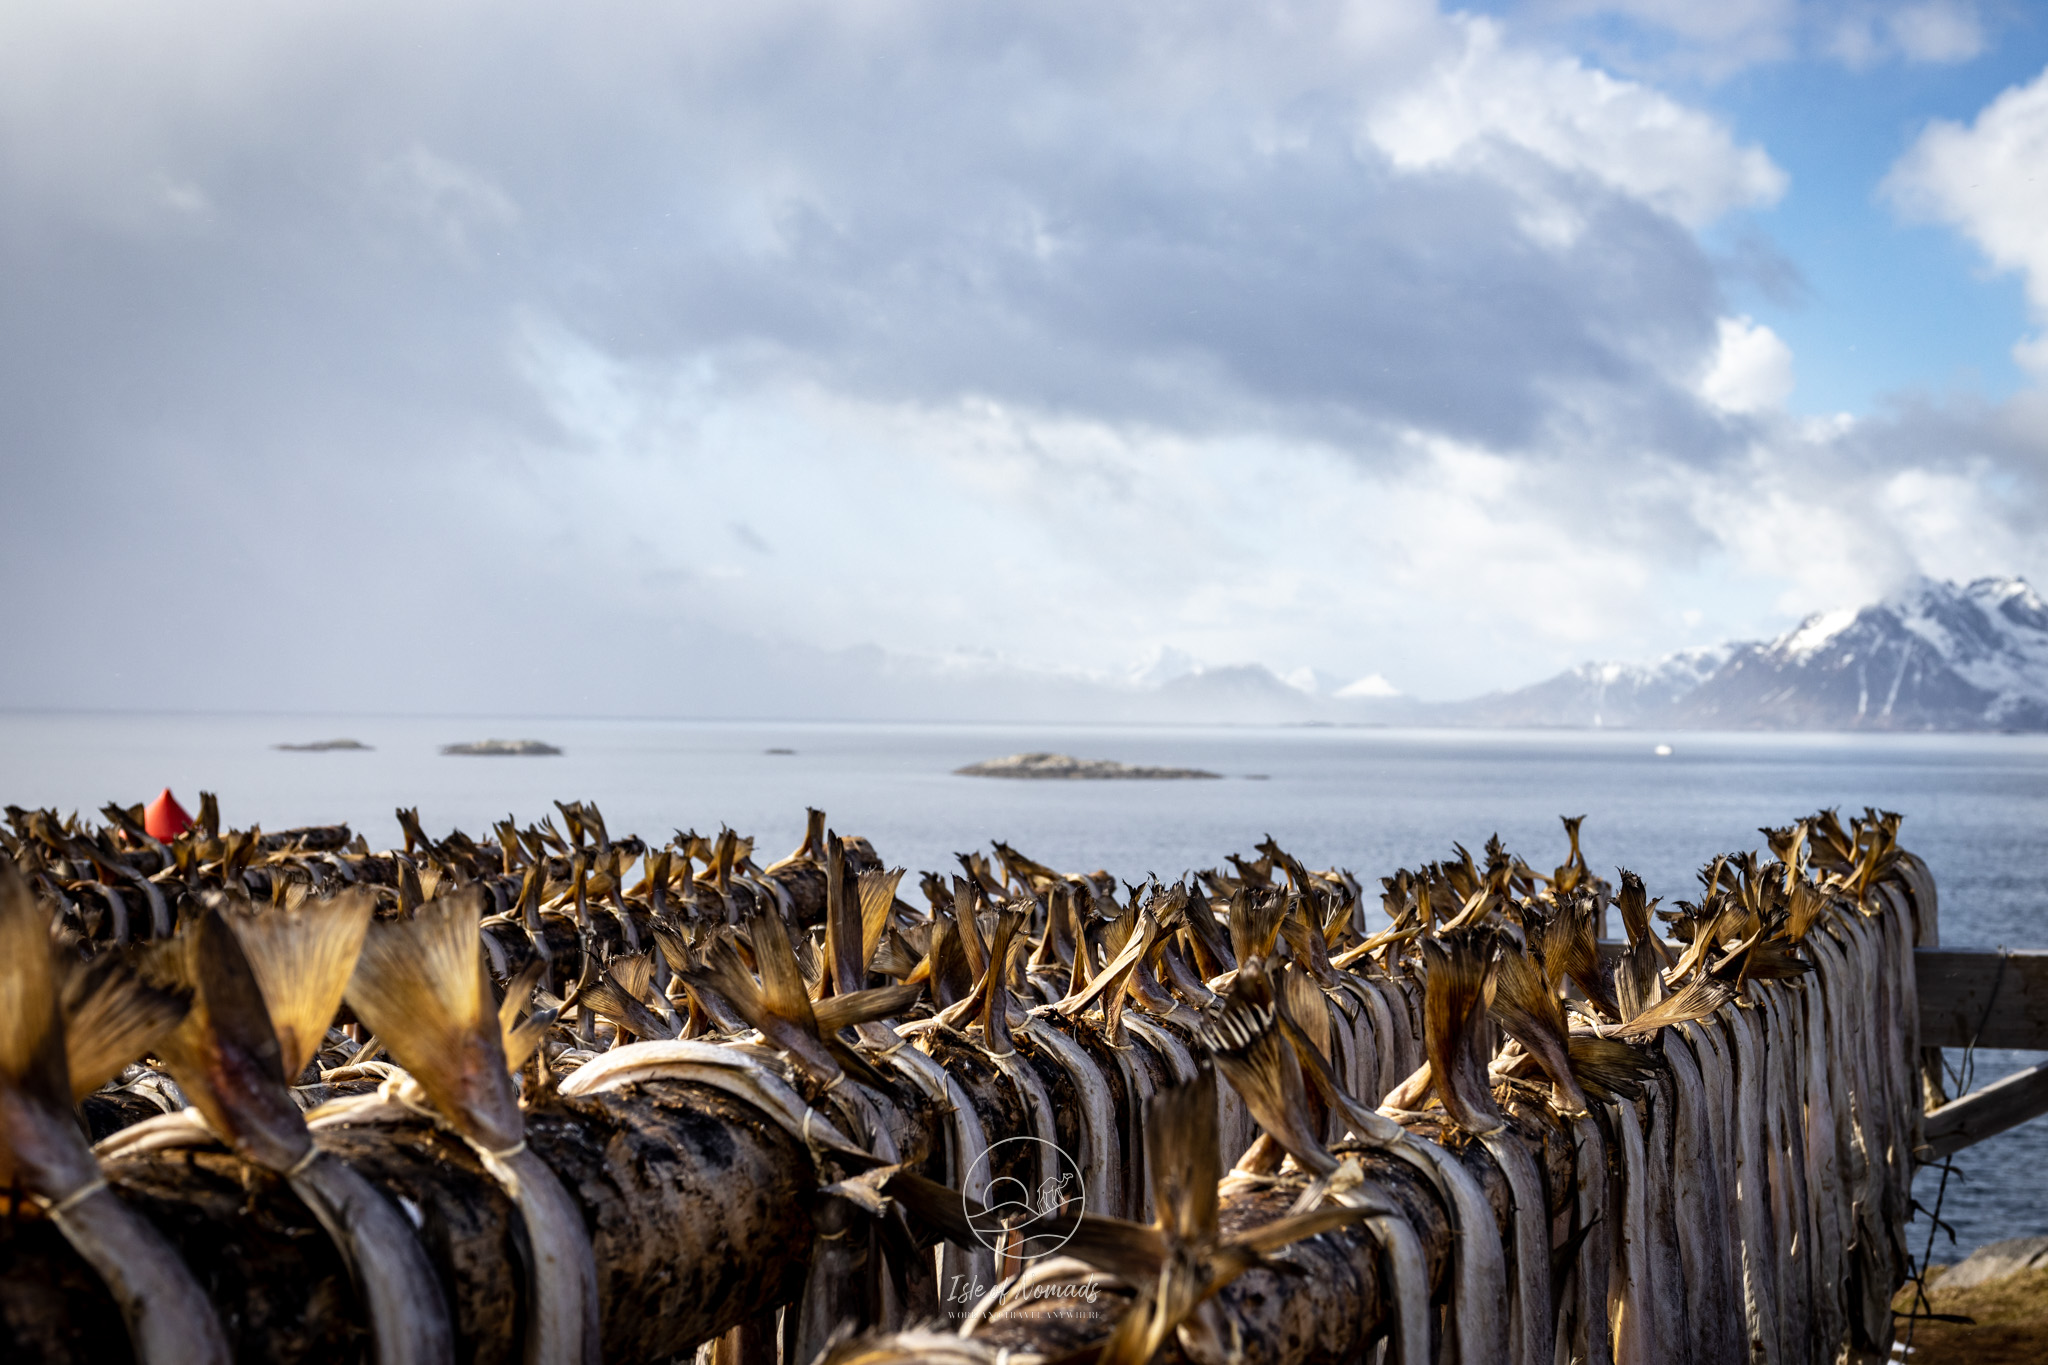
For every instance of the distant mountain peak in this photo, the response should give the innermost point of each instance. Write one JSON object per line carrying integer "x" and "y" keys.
{"x": 1603, "y": 694}
{"x": 1162, "y": 666}
{"x": 1934, "y": 655}
{"x": 1371, "y": 687}
{"x": 1812, "y": 635}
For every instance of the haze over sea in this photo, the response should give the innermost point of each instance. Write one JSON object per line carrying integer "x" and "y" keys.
{"x": 1372, "y": 800}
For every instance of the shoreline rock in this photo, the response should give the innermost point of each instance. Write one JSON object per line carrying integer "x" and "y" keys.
{"x": 1065, "y": 767}
{"x": 1997, "y": 1261}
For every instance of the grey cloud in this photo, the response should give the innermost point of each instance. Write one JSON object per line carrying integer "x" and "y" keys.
{"x": 749, "y": 537}
{"x": 266, "y": 396}
{"x": 916, "y": 227}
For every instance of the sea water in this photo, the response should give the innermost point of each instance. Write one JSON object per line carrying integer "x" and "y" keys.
{"x": 1372, "y": 800}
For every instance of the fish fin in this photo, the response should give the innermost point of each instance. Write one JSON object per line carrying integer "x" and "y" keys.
{"x": 1282, "y": 1232}
{"x": 1571, "y": 947}
{"x": 1571, "y": 830}
{"x": 422, "y": 986}
{"x": 1524, "y": 1006}
{"x": 1255, "y": 916}
{"x": 31, "y": 1019}
{"x": 1130, "y": 1251}
{"x": 614, "y": 1002}
{"x": 519, "y": 994}
{"x": 968, "y": 900}
{"x": 1183, "y": 1158}
{"x": 877, "y": 892}
{"x": 1804, "y": 902}
{"x": 836, "y": 1012}
{"x": 993, "y": 992}
{"x": 843, "y": 968}
{"x": 945, "y": 963}
{"x": 1305, "y": 1006}
{"x": 1244, "y": 1036}
{"x": 1772, "y": 959}
{"x": 782, "y": 983}
{"x": 1109, "y": 984}
{"x": 232, "y": 994}
{"x": 1696, "y": 999}
{"x": 635, "y": 974}
{"x": 1564, "y": 1258}
{"x": 1322, "y": 1079}
{"x": 1457, "y": 973}
{"x": 675, "y": 949}
{"x": 1607, "y": 1067}
{"x": 1081, "y": 970}
{"x": 302, "y": 960}
{"x": 524, "y": 1038}
{"x": 111, "y": 1017}
{"x": 1635, "y": 906}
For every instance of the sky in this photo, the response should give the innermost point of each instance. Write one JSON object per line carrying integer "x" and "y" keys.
{"x": 692, "y": 359}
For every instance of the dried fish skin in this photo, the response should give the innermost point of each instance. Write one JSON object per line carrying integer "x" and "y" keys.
{"x": 1713, "y": 1308}
{"x": 1785, "y": 1056}
{"x": 1534, "y": 1320}
{"x": 1584, "y": 1329}
{"x": 1642, "y": 1327}
{"x": 1716, "y": 1288}
{"x": 1758, "y": 1242}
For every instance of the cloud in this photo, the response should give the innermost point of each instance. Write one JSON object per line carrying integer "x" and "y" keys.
{"x": 467, "y": 357}
{"x": 1716, "y": 40}
{"x": 1751, "y": 370}
{"x": 1984, "y": 179}
{"x": 1937, "y": 32}
{"x": 1575, "y": 119}
{"x": 450, "y": 203}
{"x": 1719, "y": 40}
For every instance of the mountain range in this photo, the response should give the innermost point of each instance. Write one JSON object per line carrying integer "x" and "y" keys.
{"x": 1933, "y": 656}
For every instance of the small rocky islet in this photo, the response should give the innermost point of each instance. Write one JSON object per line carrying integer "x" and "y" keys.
{"x": 1065, "y": 767}
{"x": 494, "y": 748}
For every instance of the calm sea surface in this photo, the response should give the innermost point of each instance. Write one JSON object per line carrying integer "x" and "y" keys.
{"x": 1976, "y": 808}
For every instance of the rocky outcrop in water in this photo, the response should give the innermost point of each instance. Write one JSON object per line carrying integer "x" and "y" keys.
{"x": 496, "y": 747}
{"x": 1065, "y": 767}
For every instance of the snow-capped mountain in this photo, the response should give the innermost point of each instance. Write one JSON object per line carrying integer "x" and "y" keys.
{"x": 1602, "y": 695}
{"x": 1935, "y": 656}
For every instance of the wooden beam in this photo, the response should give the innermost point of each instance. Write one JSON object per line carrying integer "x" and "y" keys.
{"x": 1983, "y": 996}
{"x": 1986, "y": 1112}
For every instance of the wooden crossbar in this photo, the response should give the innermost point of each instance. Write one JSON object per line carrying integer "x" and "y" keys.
{"x": 1983, "y": 996}
{"x": 1985, "y": 1113}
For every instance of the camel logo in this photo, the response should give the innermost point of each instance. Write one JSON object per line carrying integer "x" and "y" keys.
{"x": 1020, "y": 1220}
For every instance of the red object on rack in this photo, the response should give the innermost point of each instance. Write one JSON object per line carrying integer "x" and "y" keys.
{"x": 164, "y": 818}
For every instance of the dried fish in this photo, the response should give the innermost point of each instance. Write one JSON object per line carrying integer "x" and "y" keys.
{"x": 1740, "y": 1200}
{"x": 170, "y": 1321}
